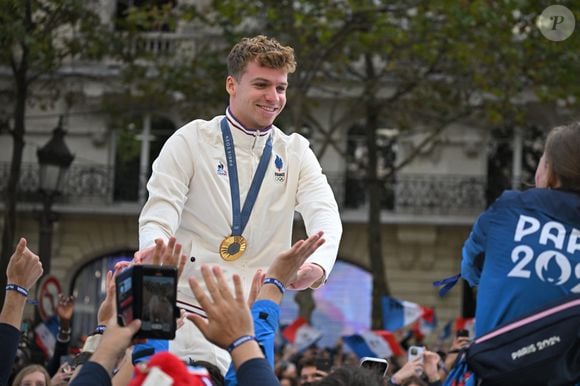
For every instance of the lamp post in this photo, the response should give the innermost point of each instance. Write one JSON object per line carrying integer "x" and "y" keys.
{"x": 54, "y": 159}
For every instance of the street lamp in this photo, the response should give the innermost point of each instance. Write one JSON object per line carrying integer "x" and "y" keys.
{"x": 54, "y": 159}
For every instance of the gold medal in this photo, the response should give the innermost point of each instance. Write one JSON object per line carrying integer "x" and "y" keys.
{"x": 233, "y": 247}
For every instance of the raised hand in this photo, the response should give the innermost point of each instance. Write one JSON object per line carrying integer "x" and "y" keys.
{"x": 257, "y": 281}
{"x": 228, "y": 315}
{"x": 65, "y": 307}
{"x": 107, "y": 307}
{"x": 24, "y": 267}
{"x": 158, "y": 254}
{"x": 114, "y": 342}
{"x": 290, "y": 267}
{"x": 431, "y": 365}
{"x": 169, "y": 254}
{"x": 409, "y": 369}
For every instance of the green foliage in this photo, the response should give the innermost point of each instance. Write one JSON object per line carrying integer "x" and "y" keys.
{"x": 164, "y": 69}
{"x": 48, "y": 33}
{"x": 437, "y": 57}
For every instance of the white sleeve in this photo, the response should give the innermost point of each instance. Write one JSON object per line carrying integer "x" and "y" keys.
{"x": 168, "y": 190}
{"x": 317, "y": 205}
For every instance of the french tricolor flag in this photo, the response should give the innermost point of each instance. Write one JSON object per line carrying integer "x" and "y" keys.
{"x": 426, "y": 324}
{"x": 289, "y": 333}
{"x": 301, "y": 334}
{"x": 380, "y": 344}
{"x": 465, "y": 324}
{"x": 399, "y": 313}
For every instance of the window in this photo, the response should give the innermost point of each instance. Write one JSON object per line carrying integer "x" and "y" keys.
{"x": 150, "y": 24}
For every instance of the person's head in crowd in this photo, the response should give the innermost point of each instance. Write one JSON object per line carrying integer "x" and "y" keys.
{"x": 350, "y": 376}
{"x": 414, "y": 381}
{"x": 258, "y": 69}
{"x": 32, "y": 375}
{"x": 288, "y": 381}
{"x": 559, "y": 166}
{"x": 285, "y": 369}
{"x": 309, "y": 371}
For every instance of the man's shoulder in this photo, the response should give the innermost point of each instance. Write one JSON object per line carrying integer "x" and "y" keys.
{"x": 199, "y": 128}
{"x": 202, "y": 124}
{"x": 293, "y": 140}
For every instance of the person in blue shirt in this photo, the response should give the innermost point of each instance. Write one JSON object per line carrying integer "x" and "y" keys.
{"x": 524, "y": 251}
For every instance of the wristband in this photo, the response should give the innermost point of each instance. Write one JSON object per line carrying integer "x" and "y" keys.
{"x": 276, "y": 282}
{"x": 238, "y": 342}
{"x": 100, "y": 329}
{"x": 15, "y": 287}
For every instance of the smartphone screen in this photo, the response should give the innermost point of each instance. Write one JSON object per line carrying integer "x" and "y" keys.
{"x": 149, "y": 293}
{"x": 158, "y": 303}
{"x": 377, "y": 365}
{"x": 462, "y": 332}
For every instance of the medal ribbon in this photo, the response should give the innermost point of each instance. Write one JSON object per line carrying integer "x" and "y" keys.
{"x": 240, "y": 219}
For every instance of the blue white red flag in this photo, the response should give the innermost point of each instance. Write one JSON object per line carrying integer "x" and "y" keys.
{"x": 301, "y": 334}
{"x": 289, "y": 333}
{"x": 399, "y": 313}
{"x": 426, "y": 324}
{"x": 380, "y": 344}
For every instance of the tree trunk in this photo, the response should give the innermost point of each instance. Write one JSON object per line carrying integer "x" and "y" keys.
{"x": 380, "y": 287}
{"x": 11, "y": 194}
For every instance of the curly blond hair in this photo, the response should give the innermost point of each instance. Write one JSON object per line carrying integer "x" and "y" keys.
{"x": 267, "y": 52}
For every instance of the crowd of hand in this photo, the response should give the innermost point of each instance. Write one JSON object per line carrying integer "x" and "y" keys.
{"x": 229, "y": 322}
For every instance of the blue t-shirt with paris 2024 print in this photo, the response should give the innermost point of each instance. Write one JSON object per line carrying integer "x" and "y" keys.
{"x": 530, "y": 242}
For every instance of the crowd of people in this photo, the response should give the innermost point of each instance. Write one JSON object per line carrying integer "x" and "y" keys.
{"x": 235, "y": 260}
{"x": 108, "y": 354}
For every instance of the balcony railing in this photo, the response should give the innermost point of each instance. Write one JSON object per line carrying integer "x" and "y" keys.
{"x": 83, "y": 184}
{"x": 172, "y": 44}
{"x": 415, "y": 194}
{"x": 409, "y": 194}
{"x": 157, "y": 43}
{"x": 447, "y": 194}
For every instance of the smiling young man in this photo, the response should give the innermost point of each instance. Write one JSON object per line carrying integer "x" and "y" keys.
{"x": 228, "y": 188}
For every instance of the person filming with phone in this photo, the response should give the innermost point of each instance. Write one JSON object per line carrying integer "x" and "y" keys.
{"x": 422, "y": 368}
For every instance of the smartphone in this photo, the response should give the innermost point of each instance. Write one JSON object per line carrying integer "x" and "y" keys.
{"x": 462, "y": 332}
{"x": 415, "y": 352}
{"x": 379, "y": 365}
{"x": 149, "y": 293}
{"x": 323, "y": 364}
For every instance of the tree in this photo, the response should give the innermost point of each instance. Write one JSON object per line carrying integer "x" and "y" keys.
{"x": 407, "y": 65}
{"x": 444, "y": 62}
{"x": 36, "y": 38}
{"x": 165, "y": 68}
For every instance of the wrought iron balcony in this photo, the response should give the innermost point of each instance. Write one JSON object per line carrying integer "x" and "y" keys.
{"x": 83, "y": 184}
{"x": 415, "y": 194}
{"x": 172, "y": 45}
{"x": 95, "y": 184}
